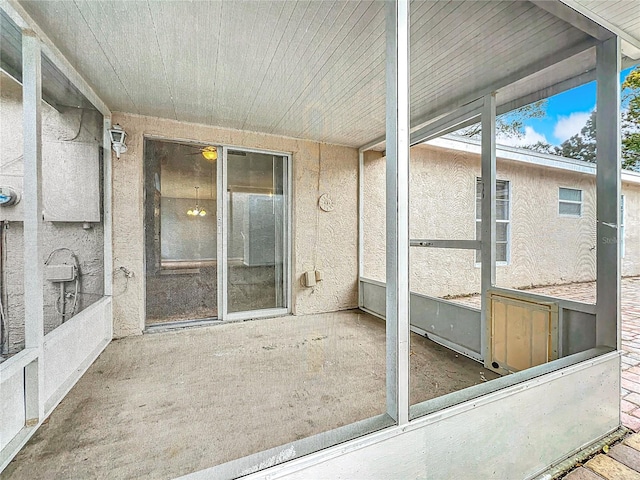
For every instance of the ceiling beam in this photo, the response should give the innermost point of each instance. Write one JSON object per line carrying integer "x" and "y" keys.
{"x": 463, "y": 100}
{"x": 630, "y": 43}
{"x": 546, "y": 92}
{"x": 572, "y": 17}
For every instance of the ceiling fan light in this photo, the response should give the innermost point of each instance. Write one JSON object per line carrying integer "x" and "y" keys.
{"x": 202, "y": 213}
{"x": 210, "y": 153}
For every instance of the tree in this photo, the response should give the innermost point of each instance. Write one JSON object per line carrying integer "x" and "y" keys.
{"x": 511, "y": 124}
{"x": 582, "y": 146}
{"x": 631, "y": 121}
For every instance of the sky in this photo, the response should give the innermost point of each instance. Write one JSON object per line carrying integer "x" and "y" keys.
{"x": 567, "y": 113}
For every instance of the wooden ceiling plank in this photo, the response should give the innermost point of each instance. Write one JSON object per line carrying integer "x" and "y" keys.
{"x": 334, "y": 50}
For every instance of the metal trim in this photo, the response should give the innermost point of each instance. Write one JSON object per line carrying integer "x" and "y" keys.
{"x": 397, "y": 208}
{"x": 608, "y": 187}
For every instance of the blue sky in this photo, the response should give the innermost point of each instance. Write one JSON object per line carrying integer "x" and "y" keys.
{"x": 566, "y": 115}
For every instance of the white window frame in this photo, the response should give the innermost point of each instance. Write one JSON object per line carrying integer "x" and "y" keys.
{"x": 507, "y": 261}
{"x": 571, "y": 202}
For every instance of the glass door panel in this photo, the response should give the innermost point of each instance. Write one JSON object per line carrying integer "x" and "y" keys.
{"x": 256, "y": 227}
{"x": 180, "y": 231}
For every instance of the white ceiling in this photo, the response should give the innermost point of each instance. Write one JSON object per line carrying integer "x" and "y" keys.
{"x": 306, "y": 69}
{"x": 621, "y": 16}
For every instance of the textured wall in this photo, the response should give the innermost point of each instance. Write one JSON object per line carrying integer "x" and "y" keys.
{"x": 324, "y": 240}
{"x": 545, "y": 248}
{"x": 59, "y": 129}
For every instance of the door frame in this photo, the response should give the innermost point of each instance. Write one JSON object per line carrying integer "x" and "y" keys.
{"x": 221, "y": 231}
{"x": 222, "y": 215}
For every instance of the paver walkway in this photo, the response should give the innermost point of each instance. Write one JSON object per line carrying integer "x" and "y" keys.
{"x": 621, "y": 462}
{"x": 630, "y": 293}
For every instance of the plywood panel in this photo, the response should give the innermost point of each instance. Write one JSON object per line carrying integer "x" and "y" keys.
{"x": 521, "y": 333}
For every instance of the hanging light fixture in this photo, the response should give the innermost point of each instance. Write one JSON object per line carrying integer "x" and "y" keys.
{"x": 197, "y": 211}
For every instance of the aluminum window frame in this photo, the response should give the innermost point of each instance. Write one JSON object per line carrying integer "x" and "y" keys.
{"x": 507, "y": 260}
{"x": 570, "y": 202}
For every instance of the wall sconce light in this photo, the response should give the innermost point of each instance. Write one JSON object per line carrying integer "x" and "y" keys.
{"x": 118, "y": 135}
{"x": 197, "y": 211}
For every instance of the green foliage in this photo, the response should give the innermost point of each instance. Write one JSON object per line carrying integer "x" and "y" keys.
{"x": 512, "y": 124}
{"x": 631, "y": 121}
{"x": 582, "y": 146}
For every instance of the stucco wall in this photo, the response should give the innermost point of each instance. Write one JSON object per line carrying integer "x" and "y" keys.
{"x": 326, "y": 241}
{"x": 62, "y": 132}
{"x": 545, "y": 248}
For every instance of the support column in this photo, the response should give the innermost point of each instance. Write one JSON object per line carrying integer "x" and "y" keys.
{"x": 32, "y": 207}
{"x": 608, "y": 193}
{"x": 488, "y": 228}
{"x": 106, "y": 201}
{"x": 360, "y": 225}
{"x": 397, "y": 214}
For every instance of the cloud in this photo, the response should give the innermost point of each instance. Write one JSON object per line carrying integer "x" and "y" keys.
{"x": 530, "y": 137}
{"x": 566, "y": 127}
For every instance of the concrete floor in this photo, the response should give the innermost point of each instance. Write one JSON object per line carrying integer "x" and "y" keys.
{"x": 166, "y": 404}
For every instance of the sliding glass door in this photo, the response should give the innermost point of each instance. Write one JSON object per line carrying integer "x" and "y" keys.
{"x": 256, "y": 233}
{"x": 216, "y": 227}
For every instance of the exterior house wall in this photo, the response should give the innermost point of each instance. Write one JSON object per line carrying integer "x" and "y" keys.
{"x": 325, "y": 241}
{"x": 545, "y": 248}
{"x": 62, "y": 132}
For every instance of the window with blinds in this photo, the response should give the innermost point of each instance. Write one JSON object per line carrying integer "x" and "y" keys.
{"x": 569, "y": 202}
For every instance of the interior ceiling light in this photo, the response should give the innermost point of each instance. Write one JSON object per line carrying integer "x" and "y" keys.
{"x": 210, "y": 153}
{"x": 197, "y": 211}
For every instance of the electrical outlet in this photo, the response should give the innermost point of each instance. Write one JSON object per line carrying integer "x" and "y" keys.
{"x": 309, "y": 279}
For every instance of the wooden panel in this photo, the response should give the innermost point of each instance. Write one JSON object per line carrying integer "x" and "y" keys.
{"x": 521, "y": 333}
{"x": 499, "y": 337}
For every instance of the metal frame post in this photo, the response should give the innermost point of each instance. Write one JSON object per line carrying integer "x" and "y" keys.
{"x": 608, "y": 173}
{"x": 488, "y": 229}
{"x": 360, "y": 225}
{"x": 107, "y": 219}
{"x": 397, "y": 209}
{"x": 32, "y": 201}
